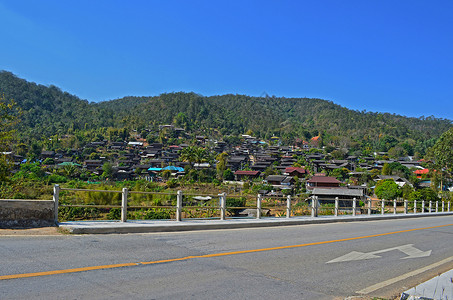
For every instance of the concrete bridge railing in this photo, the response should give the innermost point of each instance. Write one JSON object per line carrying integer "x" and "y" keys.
{"x": 27, "y": 213}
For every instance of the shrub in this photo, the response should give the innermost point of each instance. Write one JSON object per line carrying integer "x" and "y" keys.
{"x": 55, "y": 178}
{"x": 387, "y": 189}
{"x": 153, "y": 213}
{"x": 77, "y": 213}
{"x": 172, "y": 183}
{"x": 234, "y": 202}
{"x": 114, "y": 214}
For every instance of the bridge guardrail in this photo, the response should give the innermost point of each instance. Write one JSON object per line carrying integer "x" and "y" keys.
{"x": 181, "y": 205}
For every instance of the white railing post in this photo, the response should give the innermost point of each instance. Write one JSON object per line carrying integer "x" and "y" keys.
{"x": 124, "y": 205}
{"x": 288, "y": 206}
{"x": 382, "y": 206}
{"x": 437, "y": 206}
{"x": 178, "y": 205}
{"x": 430, "y": 206}
{"x": 405, "y": 207}
{"x": 443, "y": 206}
{"x": 415, "y": 206}
{"x": 354, "y": 205}
{"x": 336, "y": 206}
{"x": 222, "y": 199}
{"x": 258, "y": 206}
{"x": 394, "y": 206}
{"x": 369, "y": 206}
{"x": 423, "y": 207}
{"x": 56, "y": 197}
{"x": 314, "y": 206}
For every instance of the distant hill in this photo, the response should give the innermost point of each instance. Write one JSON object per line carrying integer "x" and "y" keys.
{"x": 283, "y": 117}
{"x": 48, "y": 110}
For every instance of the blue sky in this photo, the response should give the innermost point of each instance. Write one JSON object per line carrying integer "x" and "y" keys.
{"x": 386, "y": 56}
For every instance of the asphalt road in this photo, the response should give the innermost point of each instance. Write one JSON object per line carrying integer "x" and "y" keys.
{"x": 325, "y": 261}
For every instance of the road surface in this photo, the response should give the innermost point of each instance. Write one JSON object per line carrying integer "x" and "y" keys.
{"x": 323, "y": 261}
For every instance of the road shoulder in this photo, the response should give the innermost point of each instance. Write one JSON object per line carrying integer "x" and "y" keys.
{"x": 30, "y": 231}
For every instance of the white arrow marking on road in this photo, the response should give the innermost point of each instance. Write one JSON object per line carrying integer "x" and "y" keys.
{"x": 408, "y": 249}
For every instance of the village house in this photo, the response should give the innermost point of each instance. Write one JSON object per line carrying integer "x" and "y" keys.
{"x": 235, "y": 163}
{"x": 345, "y": 195}
{"x": 47, "y": 154}
{"x": 322, "y": 182}
{"x": 398, "y": 180}
{"x": 280, "y": 180}
{"x": 421, "y": 173}
{"x": 92, "y": 165}
{"x": 299, "y": 172}
{"x": 245, "y": 175}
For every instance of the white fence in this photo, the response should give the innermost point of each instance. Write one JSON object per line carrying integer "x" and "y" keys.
{"x": 260, "y": 206}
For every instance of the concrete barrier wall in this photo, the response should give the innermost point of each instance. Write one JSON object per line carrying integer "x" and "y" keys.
{"x": 26, "y": 213}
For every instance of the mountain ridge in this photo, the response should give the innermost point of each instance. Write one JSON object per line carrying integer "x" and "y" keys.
{"x": 47, "y": 110}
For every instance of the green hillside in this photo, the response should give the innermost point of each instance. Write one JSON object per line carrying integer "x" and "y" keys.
{"x": 47, "y": 111}
{"x": 288, "y": 118}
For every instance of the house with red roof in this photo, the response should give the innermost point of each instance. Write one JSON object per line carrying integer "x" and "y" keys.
{"x": 322, "y": 182}
{"x": 294, "y": 171}
{"x": 420, "y": 173}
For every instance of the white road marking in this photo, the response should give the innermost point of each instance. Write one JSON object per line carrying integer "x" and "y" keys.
{"x": 408, "y": 249}
{"x": 386, "y": 283}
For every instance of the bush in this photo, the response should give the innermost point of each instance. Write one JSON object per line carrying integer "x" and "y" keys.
{"x": 246, "y": 185}
{"x": 55, "y": 178}
{"x": 153, "y": 213}
{"x": 166, "y": 174}
{"x": 228, "y": 175}
{"x": 114, "y": 214}
{"x": 427, "y": 194}
{"x": 234, "y": 202}
{"x": 77, "y": 213}
{"x": 172, "y": 183}
{"x": 387, "y": 189}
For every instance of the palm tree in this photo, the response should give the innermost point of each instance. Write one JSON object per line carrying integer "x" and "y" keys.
{"x": 188, "y": 154}
{"x": 70, "y": 171}
{"x": 195, "y": 154}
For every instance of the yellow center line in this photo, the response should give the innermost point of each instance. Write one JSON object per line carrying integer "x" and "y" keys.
{"x": 103, "y": 267}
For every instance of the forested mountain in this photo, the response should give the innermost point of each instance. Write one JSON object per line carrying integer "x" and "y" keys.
{"x": 48, "y": 111}
{"x": 236, "y": 114}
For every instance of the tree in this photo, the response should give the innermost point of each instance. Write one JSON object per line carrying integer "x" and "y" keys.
{"x": 166, "y": 174}
{"x": 426, "y": 194}
{"x": 442, "y": 154}
{"x": 387, "y": 189}
{"x": 187, "y": 154}
{"x": 8, "y": 118}
{"x": 201, "y": 155}
{"x": 181, "y": 120}
{"x": 221, "y": 164}
{"x": 406, "y": 191}
{"x": 108, "y": 170}
{"x": 397, "y": 151}
{"x": 340, "y": 173}
{"x": 70, "y": 171}
{"x": 338, "y": 154}
{"x": 228, "y": 174}
{"x": 194, "y": 154}
{"x": 386, "y": 170}
{"x": 35, "y": 151}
